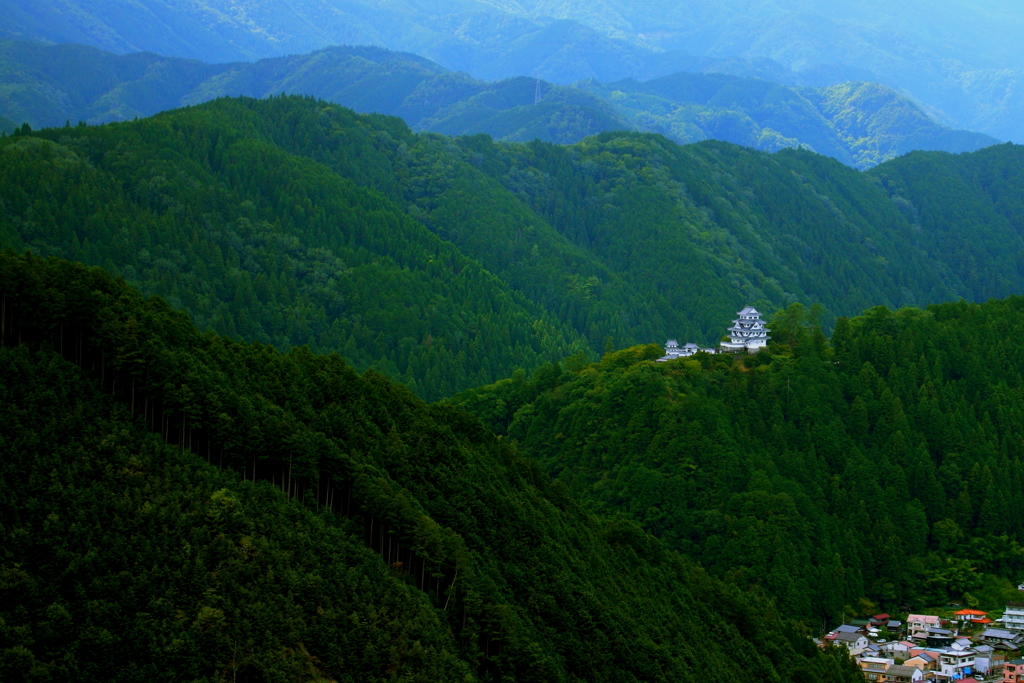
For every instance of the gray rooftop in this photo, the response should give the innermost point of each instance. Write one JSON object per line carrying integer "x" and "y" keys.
{"x": 999, "y": 633}
{"x": 848, "y": 637}
{"x": 901, "y": 670}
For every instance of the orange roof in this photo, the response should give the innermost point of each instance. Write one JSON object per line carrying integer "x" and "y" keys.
{"x": 986, "y": 620}
{"x": 970, "y": 612}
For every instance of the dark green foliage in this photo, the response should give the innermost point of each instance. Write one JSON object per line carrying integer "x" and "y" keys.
{"x": 884, "y": 465}
{"x": 448, "y": 263}
{"x": 204, "y": 209}
{"x": 705, "y": 228}
{"x": 969, "y": 207}
{"x": 352, "y": 532}
{"x": 126, "y": 560}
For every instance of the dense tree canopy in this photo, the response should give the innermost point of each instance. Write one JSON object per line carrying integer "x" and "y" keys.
{"x": 447, "y": 263}
{"x": 884, "y": 465}
{"x": 181, "y": 506}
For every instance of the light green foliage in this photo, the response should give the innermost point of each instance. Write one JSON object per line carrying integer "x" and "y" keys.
{"x": 860, "y": 124}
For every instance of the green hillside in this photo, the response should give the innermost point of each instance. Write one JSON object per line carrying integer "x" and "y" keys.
{"x": 861, "y": 124}
{"x": 177, "y": 506}
{"x": 265, "y": 245}
{"x": 970, "y": 208}
{"x": 872, "y": 472}
{"x": 449, "y": 263}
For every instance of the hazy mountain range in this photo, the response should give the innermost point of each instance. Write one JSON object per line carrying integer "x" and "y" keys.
{"x": 960, "y": 59}
{"x": 861, "y": 124}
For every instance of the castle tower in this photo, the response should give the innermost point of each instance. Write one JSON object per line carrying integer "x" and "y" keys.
{"x": 748, "y": 332}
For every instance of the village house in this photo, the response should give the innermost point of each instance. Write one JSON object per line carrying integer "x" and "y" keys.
{"x": 988, "y": 660}
{"x": 939, "y": 637}
{"x": 962, "y": 643}
{"x": 956, "y": 664}
{"x": 900, "y": 649}
{"x": 918, "y": 625}
{"x": 901, "y": 673}
{"x": 852, "y": 641}
{"x": 1001, "y": 639}
{"x": 1013, "y": 617}
{"x": 925, "y": 661}
{"x": 1013, "y": 671}
{"x": 874, "y": 668}
{"x": 972, "y": 616}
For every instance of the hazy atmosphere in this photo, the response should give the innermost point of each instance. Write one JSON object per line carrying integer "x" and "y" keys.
{"x": 511, "y": 342}
{"x": 960, "y": 61}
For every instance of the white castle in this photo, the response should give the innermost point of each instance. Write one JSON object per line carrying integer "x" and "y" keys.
{"x": 747, "y": 333}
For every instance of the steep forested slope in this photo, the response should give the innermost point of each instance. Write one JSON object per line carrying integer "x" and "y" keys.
{"x": 969, "y": 207}
{"x": 883, "y": 465}
{"x": 448, "y": 263}
{"x": 860, "y": 124}
{"x": 179, "y": 506}
{"x": 266, "y": 245}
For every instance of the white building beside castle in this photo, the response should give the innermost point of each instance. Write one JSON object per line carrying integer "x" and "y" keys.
{"x": 747, "y": 333}
{"x": 673, "y": 350}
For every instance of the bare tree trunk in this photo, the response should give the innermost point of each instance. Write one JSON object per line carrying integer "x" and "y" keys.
{"x": 451, "y": 589}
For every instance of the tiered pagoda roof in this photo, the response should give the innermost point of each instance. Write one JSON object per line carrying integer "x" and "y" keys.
{"x": 748, "y": 332}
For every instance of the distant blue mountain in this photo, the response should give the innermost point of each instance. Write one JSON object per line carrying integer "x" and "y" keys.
{"x": 860, "y": 124}
{"x": 959, "y": 59}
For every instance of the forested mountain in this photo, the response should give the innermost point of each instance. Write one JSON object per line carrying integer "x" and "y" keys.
{"x": 884, "y": 465}
{"x": 49, "y": 85}
{"x": 449, "y": 263}
{"x": 177, "y": 506}
{"x": 859, "y": 124}
{"x": 960, "y": 59}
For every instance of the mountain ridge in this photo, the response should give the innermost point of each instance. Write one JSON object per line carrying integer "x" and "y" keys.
{"x": 859, "y": 124}
{"x": 275, "y": 221}
{"x": 959, "y": 62}
{"x": 220, "y": 510}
